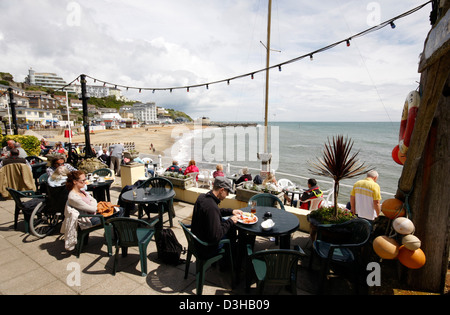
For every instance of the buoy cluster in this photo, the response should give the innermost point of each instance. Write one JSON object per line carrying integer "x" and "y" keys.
{"x": 403, "y": 245}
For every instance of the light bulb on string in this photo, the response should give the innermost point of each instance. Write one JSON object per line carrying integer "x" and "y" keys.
{"x": 392, "y": 24}
{"x": 207, "y": 86}
{"x": 311, "y": 57}
{"x": 348, "y": 42}
{"x": 279, "y": 68}
{"x": 188, "y": 89}
{"x": 140, "y": 90}
{"x": 253, "y": 76}
{"x": 228, "y": 82}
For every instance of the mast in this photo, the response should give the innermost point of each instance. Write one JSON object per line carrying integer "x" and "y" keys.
{"x": 266, "y": 157}
{"x": 266, "y": 114}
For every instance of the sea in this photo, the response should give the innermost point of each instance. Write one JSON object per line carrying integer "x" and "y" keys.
{"x": 293, "y": 146}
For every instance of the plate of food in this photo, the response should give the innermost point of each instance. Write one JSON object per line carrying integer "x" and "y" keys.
{"x": 247, "y": 218}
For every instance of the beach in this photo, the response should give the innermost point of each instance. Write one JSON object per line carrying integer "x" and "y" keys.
{"x": 160, "y": 136}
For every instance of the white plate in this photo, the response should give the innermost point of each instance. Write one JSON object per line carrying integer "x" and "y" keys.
{"x": 248, "y": 215}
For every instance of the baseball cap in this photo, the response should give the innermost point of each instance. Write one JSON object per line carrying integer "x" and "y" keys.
{"x": 222, "y": 182}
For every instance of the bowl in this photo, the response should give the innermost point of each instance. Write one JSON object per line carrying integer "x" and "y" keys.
{"x": 267, "y": 225}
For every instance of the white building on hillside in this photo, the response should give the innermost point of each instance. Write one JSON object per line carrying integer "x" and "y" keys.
{"x": 145, "y": 113}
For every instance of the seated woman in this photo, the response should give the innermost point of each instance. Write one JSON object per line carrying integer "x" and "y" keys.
{"x": 245, "y": 177}
{"x": 59, "y": 177}
{"x": 192, "y": 168}
{"x": 272, "y": 181}
{"x": 79, "y": 202}
{"x": 218, "y": 171}
{"x": 59, "y": 160}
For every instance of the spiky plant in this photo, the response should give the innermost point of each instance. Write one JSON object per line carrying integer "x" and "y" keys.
{"x": 338, "y": 163}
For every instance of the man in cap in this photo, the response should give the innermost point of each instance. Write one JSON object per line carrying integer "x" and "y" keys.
{"x": 207, "y": 218}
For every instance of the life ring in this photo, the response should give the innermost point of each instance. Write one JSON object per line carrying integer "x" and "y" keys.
{"x": 410, "y": 109}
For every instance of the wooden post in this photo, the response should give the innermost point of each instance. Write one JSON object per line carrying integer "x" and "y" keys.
{"x": 425, "y": 176}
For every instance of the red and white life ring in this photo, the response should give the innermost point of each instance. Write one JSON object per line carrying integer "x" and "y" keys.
{"x": 409, "y": 115}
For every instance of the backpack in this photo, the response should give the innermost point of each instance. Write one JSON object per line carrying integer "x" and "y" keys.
{"x": 169, "y": 249}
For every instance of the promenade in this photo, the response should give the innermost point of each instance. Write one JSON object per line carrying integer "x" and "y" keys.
{"x": 32, "y": 266}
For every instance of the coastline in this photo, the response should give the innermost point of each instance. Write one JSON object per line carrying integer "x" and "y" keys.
{"x": 162, "y": 137}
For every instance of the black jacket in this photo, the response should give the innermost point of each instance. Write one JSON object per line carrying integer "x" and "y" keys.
{"x": 207, "y": 223}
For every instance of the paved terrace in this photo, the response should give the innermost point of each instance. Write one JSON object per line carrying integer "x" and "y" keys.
{"x": 35, "y": 266}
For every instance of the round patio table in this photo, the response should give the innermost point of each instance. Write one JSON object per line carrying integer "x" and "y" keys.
{"x": 156, "y": 195}
{"x": 100, "y": 190}
{"x": 285, "y": 224}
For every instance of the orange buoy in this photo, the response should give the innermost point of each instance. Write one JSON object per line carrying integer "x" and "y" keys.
{"x": 413, "y": 259}
{"x": 385, "y": 247}
{"x": 393, "y": 208}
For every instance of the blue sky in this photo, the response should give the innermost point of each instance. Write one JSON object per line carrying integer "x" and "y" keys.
{"x": 162, "y": 44}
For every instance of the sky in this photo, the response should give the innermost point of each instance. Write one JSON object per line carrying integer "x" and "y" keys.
{"x": 166, "y": 44}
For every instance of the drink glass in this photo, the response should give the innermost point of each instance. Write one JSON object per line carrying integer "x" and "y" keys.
{"x": 253, "y": 206}
{"x": 134, "y": 192}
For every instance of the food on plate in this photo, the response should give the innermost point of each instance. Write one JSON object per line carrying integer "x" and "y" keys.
{"x": 248, "y": 218}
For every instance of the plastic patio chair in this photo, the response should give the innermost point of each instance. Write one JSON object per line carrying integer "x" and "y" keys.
{"x": 285, "y": 183}
{"x": 346, "y": 252}
{"x": 103, "y": 172}
{"x": 315, "y": 203}
{"x": 130, "y": 232}
{"x": 194, "y": 176}
{"x": 26, "y": 207}
{"x": 83, "y": 234}
{"x": 273, "y": 267}
{"x": 267, "y": 200}
{"x": 195, "y": 247}
{"x": 158, "y": 183}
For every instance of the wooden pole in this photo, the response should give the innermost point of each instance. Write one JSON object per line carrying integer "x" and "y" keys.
{"x": 425, "y": 177}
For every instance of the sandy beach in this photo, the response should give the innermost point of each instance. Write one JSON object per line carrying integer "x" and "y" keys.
{"x": 162, "y": 137}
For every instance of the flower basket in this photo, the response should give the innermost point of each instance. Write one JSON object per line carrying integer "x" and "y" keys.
{"x": 324, "y": 216}
{"x": 179, "y": 180}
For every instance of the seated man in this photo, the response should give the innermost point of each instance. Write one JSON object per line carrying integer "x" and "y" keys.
{"x": 14, "y": 158}
{"x": 174, "y": 168}
{"x": 10, "y": 144}
{"x": 313, "y": 192}
{"x": 207, "y": 222}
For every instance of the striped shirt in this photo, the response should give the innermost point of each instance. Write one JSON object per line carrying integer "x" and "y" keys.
{"x": 365, "y": 192}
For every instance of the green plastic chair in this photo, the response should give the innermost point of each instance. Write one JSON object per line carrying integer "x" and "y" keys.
{"x": 129, "y": 232}
{"x": 103, "y": 172}
{"x": 26, "y": 207}
{"x": 273, "y": 267}
{"x": 267, "y": 200}
{"x": 83, "y": 234}
{"x": 195, "y": 247}
{"x": 158, "y": 183}
{"x": 345, "y": 252}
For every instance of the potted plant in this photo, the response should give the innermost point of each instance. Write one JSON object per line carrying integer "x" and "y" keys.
{"x": 337, "y": 163}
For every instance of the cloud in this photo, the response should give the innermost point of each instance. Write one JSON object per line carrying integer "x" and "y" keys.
{"x": 160, "y": 44}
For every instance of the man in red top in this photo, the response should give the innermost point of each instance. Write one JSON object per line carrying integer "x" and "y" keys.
{"x": 313, "y": 192}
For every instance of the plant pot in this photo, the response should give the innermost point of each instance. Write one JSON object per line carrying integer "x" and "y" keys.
{"x": 334, "y": 234}
{"x": 183, "y": 183}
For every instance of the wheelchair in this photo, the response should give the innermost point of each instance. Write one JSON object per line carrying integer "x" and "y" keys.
{"x": 48, "y": 215}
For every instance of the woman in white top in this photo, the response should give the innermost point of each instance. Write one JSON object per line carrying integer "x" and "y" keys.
{"x": 78, "y": 198}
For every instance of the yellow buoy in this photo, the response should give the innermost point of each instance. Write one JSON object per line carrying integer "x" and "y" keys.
{"x": 385, "y": 247}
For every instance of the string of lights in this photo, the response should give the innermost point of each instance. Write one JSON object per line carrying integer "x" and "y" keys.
{"x": 347, "y": 41}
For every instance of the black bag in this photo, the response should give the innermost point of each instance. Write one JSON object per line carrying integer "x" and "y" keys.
{"x": 169, "y": 249}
